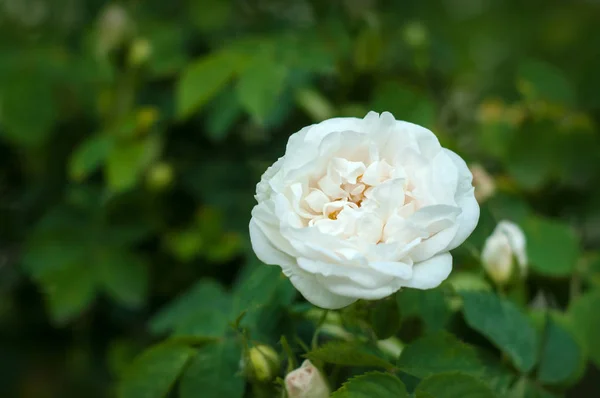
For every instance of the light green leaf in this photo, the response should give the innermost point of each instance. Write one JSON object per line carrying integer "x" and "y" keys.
{"x": 89, "y": 156}
{"x": 429, "y": 306}
{"x": 552, "y": 247}
{"x": 583, "y": 313}
{"x": 439, "y": 353}
{"x": 127, "y": 160}
{"x": 314, "y": 104}
{"x": 372, "y": 385}
{"x": 214, "y": 373}
{"x": 203, "y": 79}
{"x": 205, "y": 295}
{"x": 404, "y": 103}
{"x": 503, "y": 324}
{"x": 452, "y": 385}
{"x": 124, "y": 276}
{"x": 347, "y": 354}
{"x": 561, "y": 357}
{"x": 259, "y": 86}
{"x": 154, "y": 372}
{"x": 540, "y": 80}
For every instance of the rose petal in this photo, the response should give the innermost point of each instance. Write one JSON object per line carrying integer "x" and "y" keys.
{"x": 465, "y": 199}
{"x": 430, "y": 273}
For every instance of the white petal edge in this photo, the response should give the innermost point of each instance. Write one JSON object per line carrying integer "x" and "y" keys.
{"x": 430, "y": 273}
{"x": 465, "y": 199}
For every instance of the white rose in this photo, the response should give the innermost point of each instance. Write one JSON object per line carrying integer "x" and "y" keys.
{"x": 358, "y": 208}
{"x": 306, "y": 382}
{"x": 506, "y": 243}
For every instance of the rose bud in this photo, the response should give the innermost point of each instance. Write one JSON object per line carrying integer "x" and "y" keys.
{"x": 306, "y": 382}
{"x": 262, "y": 363}
{"x": 505, "y": 245}
{"x": 360, "y": 208}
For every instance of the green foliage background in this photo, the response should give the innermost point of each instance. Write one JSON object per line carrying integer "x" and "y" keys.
{"x": 132, "y": 135}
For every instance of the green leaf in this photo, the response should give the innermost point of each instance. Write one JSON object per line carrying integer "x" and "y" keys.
{"x": 503, "y": 324}
{"x": 347, "y": 354}
{"x": 28, "y": 108}
{"x": 583, "y": 312}
{"x": 205, "y": 295}
{"x": 314, "y": 104}
{"x": 203, "y": 79}
{"x": 429, "y": 306}
{"x": 89, "y": 156}
{"x": 124, "y": 276}
{"x": 439, "y": 353}
{"x": 540, "y": 80}
{"x": 214, "y": 373}
{"x": 561, "y": 357}
{"x": 466, "y": 280}
{"x": 452, "y": 385}
{"x": 552, "y": 247}
{"x": 69, "y": 291}
{"x": 372, "y": 385}
{"x": 154, "y": 372}
{"x": 385, "y": 319}
{"x": 259, "y": 86}
{"x": 404, "y": 103}
{"x": 127, "y": 160}
{"x": 204, "y": 323}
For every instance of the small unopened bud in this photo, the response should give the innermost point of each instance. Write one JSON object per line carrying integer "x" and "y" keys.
{"x": 160, "y": 176}
{"x": 114, "y": 25}
{"x": 262, "y": 363}
{"x": 505, "y": 245}
{"x": 484, "y": 184}
{"x": 140, "y": 51}
{"x": 415, "y": 34}
{"x": 306, "y": 382}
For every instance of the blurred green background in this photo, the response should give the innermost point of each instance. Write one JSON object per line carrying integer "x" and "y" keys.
{"x": 132, "y": 135}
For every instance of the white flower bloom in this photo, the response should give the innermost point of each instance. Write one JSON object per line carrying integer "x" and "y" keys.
{"x": 358, "y": 208}
{"x": 501, "y": 248}
{"x": 306, "y": 382}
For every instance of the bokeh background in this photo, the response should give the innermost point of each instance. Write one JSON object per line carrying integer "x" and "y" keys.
{"x": 132, "y": 135}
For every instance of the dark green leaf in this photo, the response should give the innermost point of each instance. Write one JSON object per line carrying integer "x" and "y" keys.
{"x": 385, "y": 319}
{"x": 439, "y": 353}
{"x": 347, "y": 354}
{"x": 429, "y": 306}
{"x": 124, "y": 276}
{"x": 503, "y": 324}
{"x": 89, "y": 156}
{"x": 561, "y": 357}
{"x": 540, "y": 80}
{"x": 372, "y": 385}
{"x": 214, "y": 373}
{"x": 259, "y": 87}
{"x": 452, "y": 385}
{"x": 404, "y": 103}
{"x": 153, "y": 373}
{"x": 206, "y": 295}
{"x": 552, "y": 247}
{"x": 583, "y": 313}
{"x": 203, "y": 79}
{"x": 69, "y": 290}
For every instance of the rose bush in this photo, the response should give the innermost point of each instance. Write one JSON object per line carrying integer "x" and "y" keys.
{"x": 359, "y": 208}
